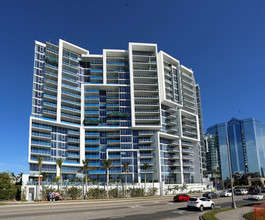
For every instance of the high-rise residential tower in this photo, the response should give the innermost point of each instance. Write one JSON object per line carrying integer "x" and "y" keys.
{"x": 137, "y": 106}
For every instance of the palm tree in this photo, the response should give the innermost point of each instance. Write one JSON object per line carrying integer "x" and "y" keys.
{"x": 215, "y": 173}
{"x": 39, "y": 160}
{"x": 126, "y": 170}
{"x": 107, "y": 164}
{"x": 59, "y": 162}
{"x": 145, "y": 167}
{"x": 176, "y": 188}
{"x": 86, "y": 168}
{"x": 184, "y": 187}
{"x": 44, "y": 176}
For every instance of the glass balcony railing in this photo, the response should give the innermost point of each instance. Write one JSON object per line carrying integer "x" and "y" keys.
{"x": 49, "y": 65}
{"x": 70, "y": 116}
{"x": 71, "y": 87}
{"x": 91, "y": 97}
{"x": 73, "y": 132}
{"x": 71, "y": 94}
{"x": 73, "y": 139}
{"x": 93, "y": 156}
{"x": 71, "y": 109}
{"x": 50, "y": 81}
{"x": 50, "y": 88}
{"x": 50, "y": 73}
{"x": 69, "y": 64}
{"x": 50, "y": 96}
{"x": 69, "y": 79}
{"x": 73, "y": 155}
{"x": 69, "y": 57}
{"x": 69, "y": 72}
{"x": 92, "y": 105}
{"x": 73, "y": 147}
{"x": 70, "y": 101}
{"x": 41, "y": 143}
{"x": 40, "y": 135}
{"x": 92, "y": 90}
{"x": 92, "y": 133}
{"x": 49, "y": 112}
{"x": 41, "y": 126}
{"x": 49, "y": 49}
{"x": 41, "y": 152}
{"x": 93, "y": 141}
{"x": 92, "y": 149}
{"x": 49, "y": 104}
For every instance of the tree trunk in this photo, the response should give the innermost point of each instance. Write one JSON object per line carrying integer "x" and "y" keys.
{"x": 107, "y": 183}
{"x": 86, "y": 185}
{"x": 39, "y": 186}
{"x": 145, "y": 182}
{"x": 61, "y": 181}
{"x": 125, "y": 183}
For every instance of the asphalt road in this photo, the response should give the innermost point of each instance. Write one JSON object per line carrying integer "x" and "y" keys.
{"x": 129, "y": 209}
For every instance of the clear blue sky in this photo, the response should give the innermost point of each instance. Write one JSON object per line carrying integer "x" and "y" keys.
{"x": 222, "y": 41}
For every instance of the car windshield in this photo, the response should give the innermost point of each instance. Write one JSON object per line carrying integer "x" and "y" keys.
{"x": 193, "y": 199}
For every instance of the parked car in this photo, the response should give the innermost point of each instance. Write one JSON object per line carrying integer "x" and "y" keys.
{"x": 200, "y": 203}
{"x": 226, "y": 193}
{"x": 210, "y": 195}
{"x": 256, "y": 196}
{"x": 181, "y": 198}
{"x": 54, "y": 197}
{"x": 241, "y": 192}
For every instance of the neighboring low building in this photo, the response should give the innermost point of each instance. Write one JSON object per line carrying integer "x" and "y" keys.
{"x": 247, "y": 147}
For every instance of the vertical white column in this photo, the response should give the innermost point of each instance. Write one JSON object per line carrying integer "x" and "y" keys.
{"x": 59, "y": 85}
{"x": 157, "y": 157}
{"x": 82, "y": 128}
{"x": 104, "y": 67}
{"x": 131, "y": 85}
{"x": 181, "y": 162}
{"x": 30, "y": 129}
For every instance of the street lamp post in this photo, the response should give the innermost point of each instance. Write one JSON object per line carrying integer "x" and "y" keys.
{"x": 233, "y": 205}
{"x": 230, "y": 171}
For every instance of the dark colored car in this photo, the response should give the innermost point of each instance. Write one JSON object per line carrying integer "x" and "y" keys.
{"x": 54, "y": 197}
{"x": 181, "y": 198}
{"x": 210, "y": 195}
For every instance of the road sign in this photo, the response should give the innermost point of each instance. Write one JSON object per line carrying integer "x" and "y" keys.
{"x": 218, "y": 186}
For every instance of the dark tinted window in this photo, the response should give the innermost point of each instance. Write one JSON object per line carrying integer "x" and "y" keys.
{"x": 193, "y": 199}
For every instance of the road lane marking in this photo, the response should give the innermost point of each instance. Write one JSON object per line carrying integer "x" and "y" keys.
{"x": 134, "y": 206}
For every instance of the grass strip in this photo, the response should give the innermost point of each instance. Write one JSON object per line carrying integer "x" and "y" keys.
{"x": 211, "y": 214}
{"x": 249, "y": 216}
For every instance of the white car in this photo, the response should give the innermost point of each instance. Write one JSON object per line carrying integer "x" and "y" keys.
{"x": 226, "y": 193}
{"x": 200, "y": 203}
{"x": 241, "y": 192}
{"x": 255, "y": 196}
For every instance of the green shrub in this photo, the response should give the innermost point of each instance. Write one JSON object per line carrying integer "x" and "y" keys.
{"x": 74, "y": 193}
{"x": 96, "y": 193}
{"x": 135, "y": 192}
{"x": 8, "y": 190}
{"x": 152, "y": 191}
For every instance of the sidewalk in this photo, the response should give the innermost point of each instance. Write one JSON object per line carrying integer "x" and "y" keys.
{"x": 234, "y": 214}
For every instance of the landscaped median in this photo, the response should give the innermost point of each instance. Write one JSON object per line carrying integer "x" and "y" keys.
{"x": 256, "y": 206}
{"x": 211, "y": 214}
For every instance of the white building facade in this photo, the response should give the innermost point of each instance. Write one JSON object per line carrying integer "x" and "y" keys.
{"x": 136, "y": 106}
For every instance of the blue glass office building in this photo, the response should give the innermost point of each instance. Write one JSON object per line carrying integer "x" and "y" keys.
{"x": 136, "y": 105}
{"x": 247, "y": 146}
